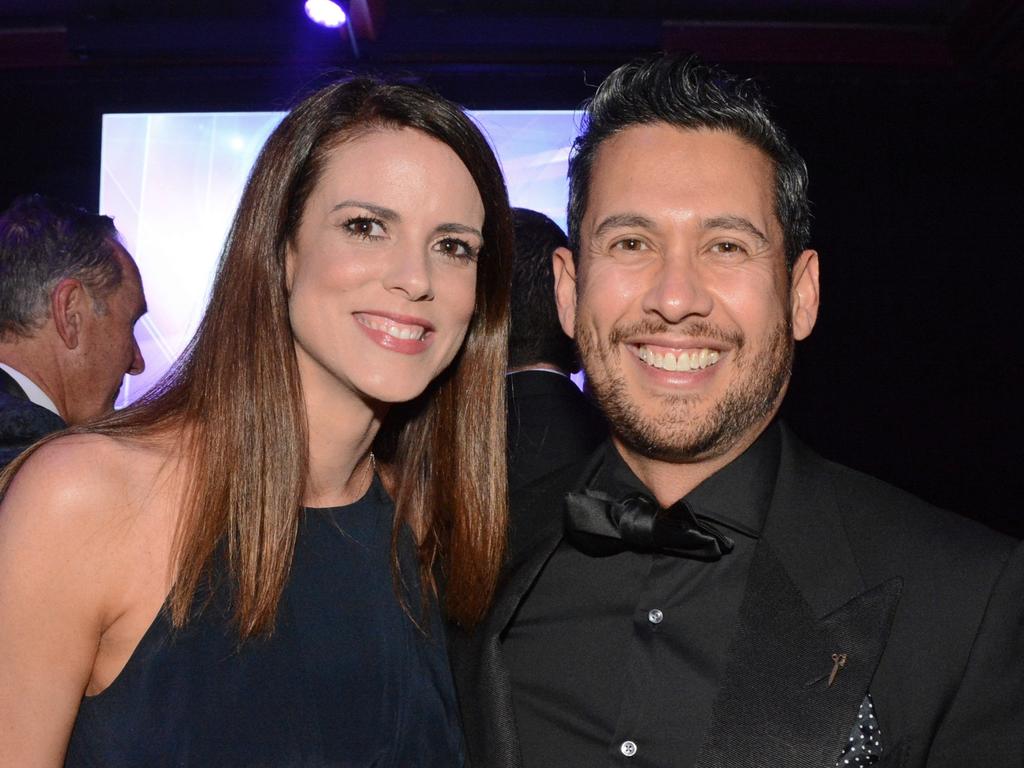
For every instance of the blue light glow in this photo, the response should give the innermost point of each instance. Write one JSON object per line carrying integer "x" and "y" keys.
{"x": 325, "y": 13}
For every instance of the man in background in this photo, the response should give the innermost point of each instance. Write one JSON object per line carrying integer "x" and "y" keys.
{"x": 70, "y": 296}
{"x": 550, "y": 422}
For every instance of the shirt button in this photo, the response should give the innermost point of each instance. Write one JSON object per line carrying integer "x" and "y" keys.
{"x": 655, "y": 616}
{"x": 628, "y": 748}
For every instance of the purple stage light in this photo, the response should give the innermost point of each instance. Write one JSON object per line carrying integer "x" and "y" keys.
{"x": 325, "y": 13}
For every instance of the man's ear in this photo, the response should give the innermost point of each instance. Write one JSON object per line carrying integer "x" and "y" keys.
{"x": 565, "y": 289}
{"x": 68, "y": 302}
{"x": 804, "y": 294}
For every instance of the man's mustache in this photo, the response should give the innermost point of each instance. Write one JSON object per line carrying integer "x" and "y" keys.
{"x": 698, "y": 329}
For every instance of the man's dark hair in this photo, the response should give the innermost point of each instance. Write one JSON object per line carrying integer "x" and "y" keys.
{"x": 536, "y": 336}
{"x": 686, "y": 93}
{"x": 43, "y": 241}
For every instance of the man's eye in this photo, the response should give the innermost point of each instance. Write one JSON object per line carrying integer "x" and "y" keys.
{"x": 455, "y": 248}
{"x": 728, "y": 248}
{"x": 630, "y": 244}
{"x": 365, "y": 227}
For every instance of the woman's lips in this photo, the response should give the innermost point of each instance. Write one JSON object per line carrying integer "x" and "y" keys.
{"x": 398, "y": 333}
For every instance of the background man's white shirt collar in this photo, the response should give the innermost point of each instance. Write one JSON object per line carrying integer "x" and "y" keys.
{"x": 538, "y": 370}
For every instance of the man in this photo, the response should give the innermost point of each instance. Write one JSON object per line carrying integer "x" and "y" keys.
{"x": 70, "y": 296}
{"x": 550, "y": 422}
{"x": 718, "y": 594}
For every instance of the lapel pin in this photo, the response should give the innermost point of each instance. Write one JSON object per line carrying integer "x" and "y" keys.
{"x": 838, "y": 662}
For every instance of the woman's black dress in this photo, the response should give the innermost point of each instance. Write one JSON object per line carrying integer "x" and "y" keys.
{"x": 346, "y": 678}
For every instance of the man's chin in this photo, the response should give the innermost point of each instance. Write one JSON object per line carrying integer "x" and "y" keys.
{"x": 674, "y": 447}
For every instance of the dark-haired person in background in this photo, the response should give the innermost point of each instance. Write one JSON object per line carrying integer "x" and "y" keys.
{"x": 706, "y": 590}
{"x": 550, "y": 422}
{"x": 70, "y": 296}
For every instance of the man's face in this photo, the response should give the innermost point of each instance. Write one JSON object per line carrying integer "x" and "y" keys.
{"x": 682, "y": 307}
{"x": 109, "y": 349}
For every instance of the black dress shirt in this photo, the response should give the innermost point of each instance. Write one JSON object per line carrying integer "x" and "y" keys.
{"x": 616, "y": 660}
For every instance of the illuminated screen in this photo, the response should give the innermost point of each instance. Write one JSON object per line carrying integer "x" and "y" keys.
{"x": 172, "y": 182}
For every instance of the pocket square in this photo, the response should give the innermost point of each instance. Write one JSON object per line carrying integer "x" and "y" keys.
{"x": 864, "y": 746}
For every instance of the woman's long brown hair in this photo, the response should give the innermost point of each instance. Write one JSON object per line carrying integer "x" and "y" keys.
{"x": 235, "y": 396}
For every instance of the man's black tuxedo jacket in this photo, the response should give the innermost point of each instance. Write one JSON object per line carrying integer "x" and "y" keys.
{"x": 22, "y": 422}
{"x": 550, "y": 425}
{"x": 926, "y": 605}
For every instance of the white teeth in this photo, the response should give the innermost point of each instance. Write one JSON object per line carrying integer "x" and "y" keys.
{"x": 683, "y": 361}
{"x": 392, "y": 329}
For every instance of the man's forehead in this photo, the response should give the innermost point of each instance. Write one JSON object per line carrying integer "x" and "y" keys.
{"x": 124, "y": 258}
{"x": 132, "y": 275}
{"x": 643, "y": 137}
{"x": 659, "y": 164}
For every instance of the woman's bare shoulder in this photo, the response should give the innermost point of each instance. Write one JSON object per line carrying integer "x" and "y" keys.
{"x": 71, "y": 524}
{"x": 83, "y": 486}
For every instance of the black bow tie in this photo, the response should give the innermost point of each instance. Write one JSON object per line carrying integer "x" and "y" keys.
{"x": 599, "y": 524}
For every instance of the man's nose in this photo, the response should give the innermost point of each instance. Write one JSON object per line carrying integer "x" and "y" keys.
{"x": 138, "y": 362}
{"x": 679, "y": 289}
{"x": 409, "y": 274}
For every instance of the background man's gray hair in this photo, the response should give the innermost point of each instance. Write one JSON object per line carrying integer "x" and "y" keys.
{"x": 43, "y": 241}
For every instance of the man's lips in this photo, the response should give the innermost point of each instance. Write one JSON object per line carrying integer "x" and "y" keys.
{"x": 684, "y": 358}
{"x": 401, "y": 327}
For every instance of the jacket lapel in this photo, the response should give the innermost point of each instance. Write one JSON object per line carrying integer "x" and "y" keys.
{"x": 805, "y": 607}
{"x": 9, "y": 386}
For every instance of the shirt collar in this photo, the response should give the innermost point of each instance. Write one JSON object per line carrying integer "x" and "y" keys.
{"x": 31, "y": 389}
{"x": 538, "y": 370}
{"x": 737, "y": 496}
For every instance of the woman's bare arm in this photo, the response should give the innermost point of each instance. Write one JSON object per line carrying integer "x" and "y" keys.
{"x": 57, "y": 559}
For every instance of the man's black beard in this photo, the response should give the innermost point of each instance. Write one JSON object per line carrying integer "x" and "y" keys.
{"x": 748, "y": 402}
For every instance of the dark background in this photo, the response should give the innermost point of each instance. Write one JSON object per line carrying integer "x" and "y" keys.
{"x": 905, "y": 110}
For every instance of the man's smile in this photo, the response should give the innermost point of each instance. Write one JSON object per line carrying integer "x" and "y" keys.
{"x": 675, "y": 359}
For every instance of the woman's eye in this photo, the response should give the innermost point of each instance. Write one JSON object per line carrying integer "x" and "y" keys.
{"x": 365, "y": 227}
{"x": 456, "y": 249}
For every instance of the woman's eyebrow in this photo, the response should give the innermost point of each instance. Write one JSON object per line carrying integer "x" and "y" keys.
{"x": 385, "y": 214}
{"x": 455, "y": 228}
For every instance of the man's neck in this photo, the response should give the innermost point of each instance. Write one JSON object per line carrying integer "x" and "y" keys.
{"x": 669, "y": 481}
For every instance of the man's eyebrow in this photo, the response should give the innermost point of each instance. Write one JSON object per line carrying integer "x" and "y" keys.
{"x": 736, "y": 223}
{"x": 385, "y": 214}
{"x": 624, "y": 220}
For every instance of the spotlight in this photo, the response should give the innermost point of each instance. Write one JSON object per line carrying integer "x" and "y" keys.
{"x": 325, "y": 13}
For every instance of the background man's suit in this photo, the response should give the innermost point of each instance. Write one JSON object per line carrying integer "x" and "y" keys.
{"x": 22, "y": 422}
{"x": 550, "y": 424}
{"x": 927, "y": 607}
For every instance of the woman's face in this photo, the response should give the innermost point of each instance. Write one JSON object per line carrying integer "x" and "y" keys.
{"x": 382, "y": 270}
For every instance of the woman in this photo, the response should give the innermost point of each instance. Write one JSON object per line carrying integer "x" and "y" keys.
{"x": 165, "y": 598}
